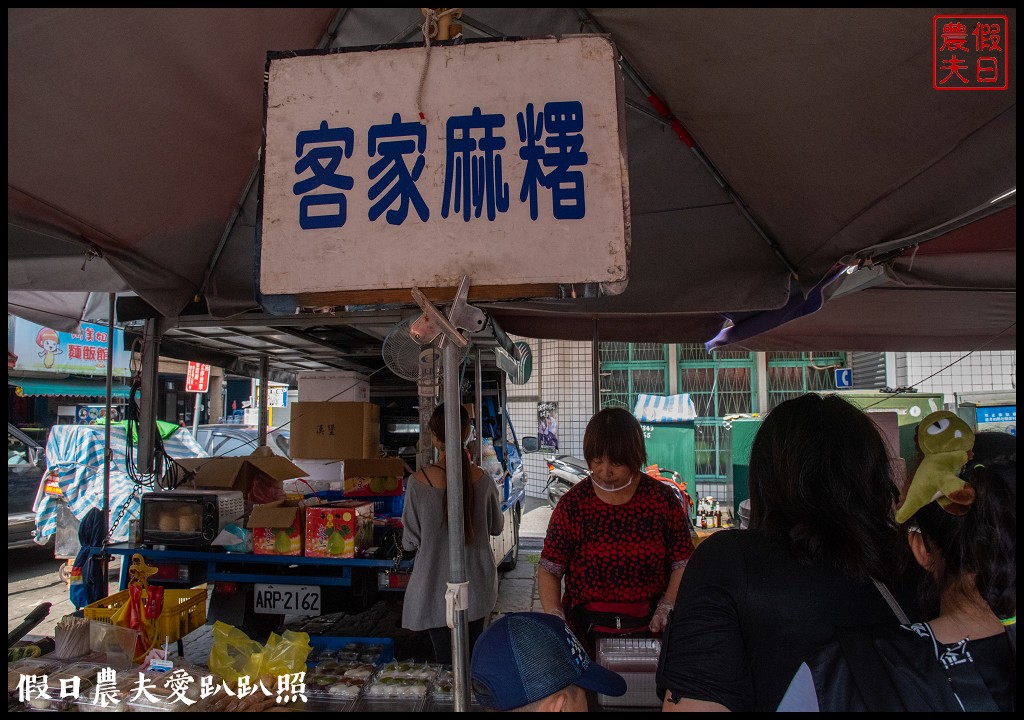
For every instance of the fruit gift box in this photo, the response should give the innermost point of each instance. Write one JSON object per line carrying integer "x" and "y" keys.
{"x": 367, "y": 478}
{"x": 342, "y": 529}
{"x": 277, "y": 527}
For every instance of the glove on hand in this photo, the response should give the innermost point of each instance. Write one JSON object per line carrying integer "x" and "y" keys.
{"x": 660, "y": 620}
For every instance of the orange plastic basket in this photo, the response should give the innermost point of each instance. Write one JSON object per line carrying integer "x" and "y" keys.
{"x": 184, "y": 611}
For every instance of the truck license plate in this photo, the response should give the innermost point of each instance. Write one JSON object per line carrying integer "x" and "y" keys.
{"x": 286, "y": 599}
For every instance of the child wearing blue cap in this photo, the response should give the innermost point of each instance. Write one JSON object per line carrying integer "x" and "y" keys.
{"x": 532, "y": 662}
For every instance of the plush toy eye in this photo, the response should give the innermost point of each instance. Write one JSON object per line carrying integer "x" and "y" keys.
{"x": 938, "y": 427}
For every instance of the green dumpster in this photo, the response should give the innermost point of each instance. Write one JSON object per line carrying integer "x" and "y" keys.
{"x": 671, "y": 445}
{"x": 910, "y": 409}
{"x": 743, "y": 431}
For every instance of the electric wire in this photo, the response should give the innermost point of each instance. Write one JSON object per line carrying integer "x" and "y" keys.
{"x": 909, "y": 389}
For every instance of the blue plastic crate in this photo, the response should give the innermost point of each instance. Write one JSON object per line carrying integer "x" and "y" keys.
{"x": 327, "y": 495}
{"x": 328, "y": 642}
{"x": 391, "y": 506}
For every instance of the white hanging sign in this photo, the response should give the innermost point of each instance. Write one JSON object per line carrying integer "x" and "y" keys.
{"x": 515, "y": 175}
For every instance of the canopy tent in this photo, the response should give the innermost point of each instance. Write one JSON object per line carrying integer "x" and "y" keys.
{"x": 795, "y": 141}
{"x": 767, "y": 149}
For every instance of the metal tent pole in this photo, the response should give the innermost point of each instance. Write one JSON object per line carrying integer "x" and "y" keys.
{"x": 106, "y": 436}
{"x": 479, "y": 414}
{"x": 595, "y": 369}
{"x": 457, "y": 596}
{"x": 263, "y": 417}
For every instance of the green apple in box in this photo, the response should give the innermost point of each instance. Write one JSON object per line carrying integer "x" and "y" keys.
{"x": 378, "y": 477}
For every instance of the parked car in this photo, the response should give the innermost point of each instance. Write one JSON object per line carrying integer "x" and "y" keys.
{"x": 232, "y": 440}
{"x": 26, "y": 464}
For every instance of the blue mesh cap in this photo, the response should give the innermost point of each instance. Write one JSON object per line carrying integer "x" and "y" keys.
{"x": 524, "y": 657}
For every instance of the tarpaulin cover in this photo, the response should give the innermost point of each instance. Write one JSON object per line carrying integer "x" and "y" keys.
{"x": 664, "y": 408}
{"x": 74, "y": 453}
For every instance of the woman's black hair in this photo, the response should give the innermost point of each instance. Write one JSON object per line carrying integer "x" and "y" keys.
{"x": 983, "y": 542}
{"x": 615, "y": 434}
{"x": 821, "y": 483}
{"x": 437, "y": 427}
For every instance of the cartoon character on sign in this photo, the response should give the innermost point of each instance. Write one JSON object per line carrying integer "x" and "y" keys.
{"x": 49, "y": 341}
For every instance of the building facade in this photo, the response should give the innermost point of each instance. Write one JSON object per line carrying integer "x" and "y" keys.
{"x": 723, "y": 386}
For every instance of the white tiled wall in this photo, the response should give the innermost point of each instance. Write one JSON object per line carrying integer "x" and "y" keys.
{"x": 936, "y": 372}
{"x": 562, "y": 373}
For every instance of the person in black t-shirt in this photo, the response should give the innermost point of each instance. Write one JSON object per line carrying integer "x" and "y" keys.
{"x": 964, "y": 659}
{"x": 753, "y": 604}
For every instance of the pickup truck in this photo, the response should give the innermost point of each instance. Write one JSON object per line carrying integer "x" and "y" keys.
{"x": 258, "y": 592}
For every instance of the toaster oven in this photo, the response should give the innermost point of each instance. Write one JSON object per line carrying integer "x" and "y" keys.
{"x": 188, "y": 518}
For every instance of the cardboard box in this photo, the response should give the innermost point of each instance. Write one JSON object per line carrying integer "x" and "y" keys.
{"x": 335, "y": 430}
{"x": 330, "y": 471}
{"x": 238, "y": 473}
{"x": 382, "y": 476}
{"x": 277, "y": 528}
{"x": 339, "y": 386}
{"x": 341, "y": 529}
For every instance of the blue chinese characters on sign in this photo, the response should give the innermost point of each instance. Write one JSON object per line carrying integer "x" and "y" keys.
{"x": 397, "y": 181}
{"x": 472, "y": 176}
{"x": 322, "y": 161}
{"x": 551, "y": 144}
{"x": 564, "y": 123}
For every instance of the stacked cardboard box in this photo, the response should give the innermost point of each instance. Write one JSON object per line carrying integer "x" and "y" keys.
{"x": 335, "y": 430}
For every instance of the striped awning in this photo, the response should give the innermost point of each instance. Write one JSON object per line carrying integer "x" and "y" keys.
{"x": 664, "y": 408}
{"x": 27, "y": 387}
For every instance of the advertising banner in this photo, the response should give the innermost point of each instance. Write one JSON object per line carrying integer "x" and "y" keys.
{"x": 85, "y": 353}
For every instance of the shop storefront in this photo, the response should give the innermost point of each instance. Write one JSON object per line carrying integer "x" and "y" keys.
{"x": 56, "y": 378}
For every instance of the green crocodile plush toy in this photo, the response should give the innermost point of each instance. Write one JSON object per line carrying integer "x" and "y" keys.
{"x": 946, "y": 442}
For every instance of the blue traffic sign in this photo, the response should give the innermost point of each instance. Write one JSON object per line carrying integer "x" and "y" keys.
{"x": 844, "y": 377}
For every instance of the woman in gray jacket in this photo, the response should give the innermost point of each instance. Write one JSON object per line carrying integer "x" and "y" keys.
{"x": 426, "y": 530}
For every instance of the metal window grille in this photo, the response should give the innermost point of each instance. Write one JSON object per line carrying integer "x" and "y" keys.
{"x": 791, "y": 374}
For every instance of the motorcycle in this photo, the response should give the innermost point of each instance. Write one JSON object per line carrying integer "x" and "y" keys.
{"x": 564, "y": 471}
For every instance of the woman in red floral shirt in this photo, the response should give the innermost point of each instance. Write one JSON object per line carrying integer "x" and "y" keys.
{"x": 619, "y": 539}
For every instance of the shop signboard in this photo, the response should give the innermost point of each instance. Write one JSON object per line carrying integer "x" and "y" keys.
{"x": 87, "y": 414}
{"x": 43, "y": 349}
{"x": 403, "y": 167}
{"x": 197, "y": 380}
{"x": 277, "y": 394}
{"x": 998, "y": 418}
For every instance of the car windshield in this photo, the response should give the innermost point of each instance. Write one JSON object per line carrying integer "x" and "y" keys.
{"x": 19, "y": 447}
{"x": 239, "y": 440}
